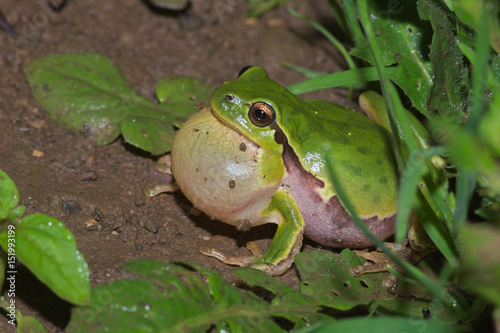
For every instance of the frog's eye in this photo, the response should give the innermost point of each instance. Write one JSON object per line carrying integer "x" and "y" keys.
{"x": 243, "y": 70}
{"x": 261, "y": 114}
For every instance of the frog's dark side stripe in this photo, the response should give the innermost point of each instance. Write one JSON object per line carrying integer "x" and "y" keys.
{"x": 327, "y": 223}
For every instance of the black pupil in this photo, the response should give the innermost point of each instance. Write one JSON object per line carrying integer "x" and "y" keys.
{"x": 261, "y": 114}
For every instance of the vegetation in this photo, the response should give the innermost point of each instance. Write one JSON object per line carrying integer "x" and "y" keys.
{"x": 438, "y": 58}
{"x": 42, "y": 244}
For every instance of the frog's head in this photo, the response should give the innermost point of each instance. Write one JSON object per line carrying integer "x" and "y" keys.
{"x": 251, "y": 105}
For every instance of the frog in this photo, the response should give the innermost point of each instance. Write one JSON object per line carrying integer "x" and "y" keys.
{"x": 260, "y": 154}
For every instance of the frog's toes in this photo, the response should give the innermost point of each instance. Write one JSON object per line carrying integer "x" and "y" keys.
{"x": 243, "y": 261}
{"x": 157, "y": 189}
{"x": 256, "y": 261}
{"x": 163, "y": 164}
{"x": 252, "y": 247}
{"x": 369, "y": 267}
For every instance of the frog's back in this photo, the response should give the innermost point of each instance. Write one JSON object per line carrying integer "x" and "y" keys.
{"x": 360, "y": 151}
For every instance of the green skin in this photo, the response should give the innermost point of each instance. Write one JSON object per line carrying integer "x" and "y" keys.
{"x": 247, "y": 173}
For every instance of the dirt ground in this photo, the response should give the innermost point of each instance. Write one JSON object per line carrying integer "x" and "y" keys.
{"x": 97, "y": 191}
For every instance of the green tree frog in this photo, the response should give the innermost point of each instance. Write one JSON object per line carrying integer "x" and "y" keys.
{"x": 259, "y": 155}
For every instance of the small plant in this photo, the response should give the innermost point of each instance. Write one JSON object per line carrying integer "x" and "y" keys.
{"x": 42, "y": 244}
{"x": 88, "y": 93}
{"x": 186, "y": 297}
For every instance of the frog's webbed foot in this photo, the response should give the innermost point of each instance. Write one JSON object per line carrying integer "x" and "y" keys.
{"x": 285, "y": 245}
{"x": 162, "y": 166}
{"x": 162, "y": 188}
{"x": 256, "y": 261}
{"x": 379, "y": 262}
{"x": 164, "y": 163}
{"x": 243, "y": 261}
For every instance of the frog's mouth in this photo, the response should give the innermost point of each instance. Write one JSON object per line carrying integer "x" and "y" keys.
{"x": 231, "y": 126}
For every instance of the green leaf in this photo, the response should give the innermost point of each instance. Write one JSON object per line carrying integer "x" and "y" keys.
{"x": 287, "y": 302}
{"x": 186, "y": 297}
{"x": 87, "y": 92}
{"x": 174, "y": 297}
{"x": 9, "y": 195}
{"x": 470, "y": 12}
{"x": 480, "y": 269}
{"x": 326, "y": 277}
{"x": 258, "y": 7}
{"x": 351, "y": 16}
{"x": 148, "y": 134}
{"x": 403, "y": 38}
{"x": 27, "y": 324}
{"x": 48, "y": 250}
{"x": 170, "y": 4}
{"x": 183, "y": 92}
{"x": 449, "y": 93}
{"x": 339, "y": 79}
{"x": 382, "y": 325}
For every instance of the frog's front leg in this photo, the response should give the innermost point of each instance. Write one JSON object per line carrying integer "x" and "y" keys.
{"x": 285, "y": 245}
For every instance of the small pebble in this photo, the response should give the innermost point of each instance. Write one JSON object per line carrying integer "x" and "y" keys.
{"x": 38, "y": 153}
{"x": 71, "y": 207}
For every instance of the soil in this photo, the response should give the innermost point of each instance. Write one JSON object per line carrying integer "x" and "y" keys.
{"x": 97, "y": 191}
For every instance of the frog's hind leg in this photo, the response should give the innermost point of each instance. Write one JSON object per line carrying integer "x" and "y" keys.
{"x": 286, "y": 242}
{"x": 256, "y": 261}
{"x": 379, "y": 262}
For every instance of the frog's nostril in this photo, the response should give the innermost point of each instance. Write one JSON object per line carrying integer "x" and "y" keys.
{"x": 229, "y": 97}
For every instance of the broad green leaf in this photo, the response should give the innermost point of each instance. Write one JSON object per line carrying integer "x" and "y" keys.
{"x": 480, "y": 269}
{"x": 326, "y": 277}
{"x": 48, "y": 250}
{"x": 27, "y": 324}
{"x": 383, "y": 325}
{"x": 183, "y": 92}
{"x": 287, "y": 302}
{"x": 449, "y": 93}
{"x": 87, "y": 92}
{"x": 403, "y": 40}
{"x": 9, "y": 195}
{"x": 173, "y": 297}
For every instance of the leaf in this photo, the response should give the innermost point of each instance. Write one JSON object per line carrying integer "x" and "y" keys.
{"x": 9, "y": 195}
{"x": 147, "y": 134}
{"x": 404, "y": 39}
{"x": 495, "y": 68}
{"x": 186, "y": 297}
{"x": 170, "y": 4}
{"x": 339, "y": 79}
{"x": 470, "y": 12}
{"x": 382, "y": 325}
{"x": 325, "y": 276}
{"x": 87, "y": 92}
{"x": 287, "y": 302}
{"x": 174, "y": 297}
{"x": 258, "y": 7}
{"x": 448, "y": 95}
{"x": 48, "y": 250}
{"x": 480, "y": 269}
{"x": 27, "y": 324}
